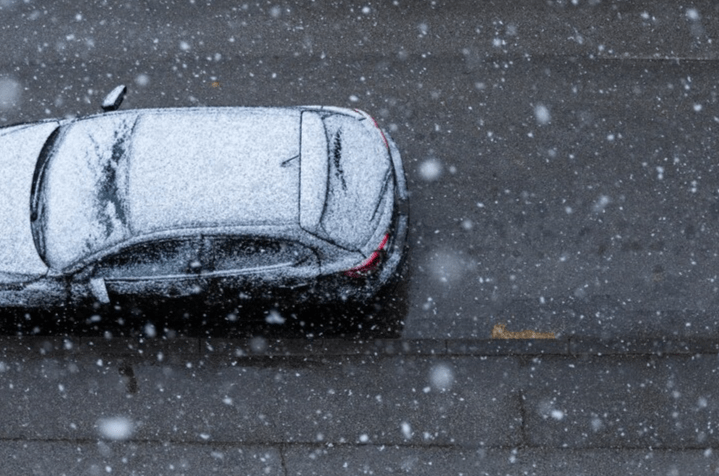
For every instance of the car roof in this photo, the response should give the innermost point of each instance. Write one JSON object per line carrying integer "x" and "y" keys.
{"x": 130, "y": 173}
{"x": 248, "y": 158}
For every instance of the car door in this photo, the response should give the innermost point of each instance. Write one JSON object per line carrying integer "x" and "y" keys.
{"x": 152, "y": 271}
{"x": 260, "y": 268}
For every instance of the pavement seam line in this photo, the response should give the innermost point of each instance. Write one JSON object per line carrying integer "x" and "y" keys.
{"x": 283, "y": 462}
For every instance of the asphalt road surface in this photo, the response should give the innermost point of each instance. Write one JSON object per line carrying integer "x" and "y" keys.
{"x": 561, "y": 162}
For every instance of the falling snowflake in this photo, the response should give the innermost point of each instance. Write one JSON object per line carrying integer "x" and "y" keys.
{"x": 541, "y": 112}
{"x": 430, "y": 169}
{"x": 115, "y": 428}
{"x": 441, "y": 377}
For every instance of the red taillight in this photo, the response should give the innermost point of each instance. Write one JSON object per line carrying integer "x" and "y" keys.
{"x": 386, "y": 144}
{"x": 371, "y": 264}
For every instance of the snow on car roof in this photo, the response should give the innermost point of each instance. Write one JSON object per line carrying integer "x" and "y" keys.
{"x": 130, "y": 173}
{"x": 214, "y": 167}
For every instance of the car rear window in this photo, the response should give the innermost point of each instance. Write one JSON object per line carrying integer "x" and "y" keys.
{"x": 359, "y": 169}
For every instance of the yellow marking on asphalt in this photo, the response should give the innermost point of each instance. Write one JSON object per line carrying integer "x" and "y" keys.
{"x": 500, "y": 331}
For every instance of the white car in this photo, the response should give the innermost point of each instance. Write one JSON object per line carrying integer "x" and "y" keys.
{"x": 307, "y": 203}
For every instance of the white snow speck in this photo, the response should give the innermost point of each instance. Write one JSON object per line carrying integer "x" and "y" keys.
{"x": 366, "y": 10}
{"x": 142, "y": 80}
{"x": 542, "y": 114}
{"x": 441, "y": 377}
{"x": 115, "y": 428}
{"x": 557, "y": 414}
{"x": 660, "y": 172}
{"x": 9, "y": 93}
{"x": 274, "y": 317}
{"x": 184, "y": 46}
{"x": 275, "y": 11}
{"x": 364, "y": 438}
{"x": 601, "y": 204}
{"x": 406, "y": 430}
{"x": 693, "y": 14}
{"x": 150, "y": 330}
{"x": 697, "y": 107}
{"x": 353, "y": 98}
{"x": 447, "y": 266}
{"x": 430, "y": 169}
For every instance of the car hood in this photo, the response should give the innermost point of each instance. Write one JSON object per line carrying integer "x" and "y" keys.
{"x": 19, "y": 150}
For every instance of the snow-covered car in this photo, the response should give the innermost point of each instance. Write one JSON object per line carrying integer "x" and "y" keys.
{"x": 212, "y": 203}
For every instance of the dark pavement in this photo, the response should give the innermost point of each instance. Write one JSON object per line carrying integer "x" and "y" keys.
{"x": 329, "y": 406}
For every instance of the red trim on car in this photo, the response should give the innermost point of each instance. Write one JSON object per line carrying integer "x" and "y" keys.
{"x": 386, "y": 143}
{"x": 371, "y": 264}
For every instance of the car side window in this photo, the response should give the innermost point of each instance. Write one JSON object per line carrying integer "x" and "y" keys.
{"x": 154, "y": 259}
{"x": 243, "y": 253}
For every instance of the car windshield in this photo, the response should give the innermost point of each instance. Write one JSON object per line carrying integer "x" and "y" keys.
{"x": 78, "y": 200}
{"x": 36, "y": 198}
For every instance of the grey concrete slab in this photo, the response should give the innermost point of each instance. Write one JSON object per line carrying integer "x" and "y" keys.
{"x": 66, "y": 458}
{"x": 305, "y": 461}
{"x": 58, "y": 397}
{"x": 617, "y": 462}
{"x": 402, "y": 400}
{"x": 622, "y": 402}
{"x": 180, "y": 401}
{"x": 302, "y": 460}
{"x": 330, "y": 399}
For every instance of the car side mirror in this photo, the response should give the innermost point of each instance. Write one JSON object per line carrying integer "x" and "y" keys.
{"x": 113, "y": 100}
{"x": 99, "y": 290}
